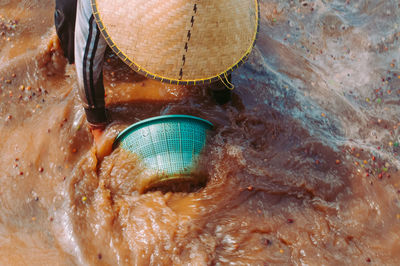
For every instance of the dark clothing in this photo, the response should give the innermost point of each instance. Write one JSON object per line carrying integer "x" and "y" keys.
{"x": 220, "y": 92}
{"x": 64, "y": 19}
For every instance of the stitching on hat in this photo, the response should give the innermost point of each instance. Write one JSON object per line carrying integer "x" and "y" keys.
{"x": 189, "y": 35}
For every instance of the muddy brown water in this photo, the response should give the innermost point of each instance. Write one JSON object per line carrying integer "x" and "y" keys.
{"x": 302, "y": 168}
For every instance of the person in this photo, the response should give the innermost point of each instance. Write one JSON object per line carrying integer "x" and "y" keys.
{"x": 84, "y": 43}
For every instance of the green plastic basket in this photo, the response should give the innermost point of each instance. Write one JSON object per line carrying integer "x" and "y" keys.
{"x": 168, "y": 144}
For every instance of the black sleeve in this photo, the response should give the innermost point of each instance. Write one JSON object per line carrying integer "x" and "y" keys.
{"x": 64, "y": 19}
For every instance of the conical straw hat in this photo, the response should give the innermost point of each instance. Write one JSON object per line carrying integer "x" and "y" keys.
{"x": 180, "y": 41}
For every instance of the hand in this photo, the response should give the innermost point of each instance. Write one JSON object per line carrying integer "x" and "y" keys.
{"x": 103, "y": 140}
{"x": 97, "y": 132}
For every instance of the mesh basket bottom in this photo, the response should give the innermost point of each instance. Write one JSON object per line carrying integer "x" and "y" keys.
{"x": 181, "y": 183}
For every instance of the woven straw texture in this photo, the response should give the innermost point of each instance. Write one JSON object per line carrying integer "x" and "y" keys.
{"x": 179, "y": 41}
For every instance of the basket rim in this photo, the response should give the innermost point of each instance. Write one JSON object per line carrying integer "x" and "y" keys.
{"x": 122, "y": 134}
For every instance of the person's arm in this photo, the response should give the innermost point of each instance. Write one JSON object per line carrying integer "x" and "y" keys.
{"x": 90, "y": 47}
